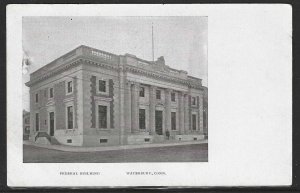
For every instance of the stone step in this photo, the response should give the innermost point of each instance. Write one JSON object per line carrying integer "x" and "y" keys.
{"x": 54, "y": 141}
{"x": 158, "y": 138}
{"x": 195, "y": 137}
{"x": 139, "y": 139}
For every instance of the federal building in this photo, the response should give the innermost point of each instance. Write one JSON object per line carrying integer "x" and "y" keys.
{"x": 90, "y": 97}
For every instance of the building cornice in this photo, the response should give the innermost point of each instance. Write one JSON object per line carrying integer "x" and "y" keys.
{"x": 160, "y": 76}
{"x": 128, "y": 68}
{"x": 53, "y": 72}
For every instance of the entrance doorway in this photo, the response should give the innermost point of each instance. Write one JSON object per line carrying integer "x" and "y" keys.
{"x": 158, "y": 122}
{"x": 51, "y": 123}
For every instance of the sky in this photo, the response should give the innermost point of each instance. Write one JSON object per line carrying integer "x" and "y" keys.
{"x": 181, "y": 40}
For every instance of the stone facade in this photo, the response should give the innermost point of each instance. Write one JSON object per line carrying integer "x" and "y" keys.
{"x": 90, "y": 97}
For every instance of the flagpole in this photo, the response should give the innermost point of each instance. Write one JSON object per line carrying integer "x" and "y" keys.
{"x": 152, "y": 45}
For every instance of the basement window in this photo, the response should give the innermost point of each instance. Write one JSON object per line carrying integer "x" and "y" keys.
{"x": 195, "y": 138}
{"x": 103, "y": 140}
{"x": 147, "y": 139}
{"x": 69, "y": 140}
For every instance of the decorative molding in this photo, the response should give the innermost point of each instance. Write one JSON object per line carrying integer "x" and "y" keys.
{"x": 144, "y": 103}
{"x": 68, "y": 99}
{"x": 97, "y": 98}
{"x": 53, "y": 72}
{"x": 114, "y": 67}
{"x": 50, "y": 103}
{"x": 162, "y": 77}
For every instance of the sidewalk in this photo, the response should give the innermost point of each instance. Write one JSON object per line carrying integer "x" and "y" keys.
{"x": 111, "y": 148}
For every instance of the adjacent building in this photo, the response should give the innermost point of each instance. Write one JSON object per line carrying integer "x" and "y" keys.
{"x": 90, "y": 97}
{"x": 26, "y": 124}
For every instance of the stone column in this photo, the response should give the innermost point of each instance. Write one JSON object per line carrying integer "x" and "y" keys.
{"x": 168, "y": 109}
{"x": 186, "y": 113}
{"x": 152, "y": 109}
{"x": 181, "y": 113}
{"x": 121, "y": 100}
{"x": 128, "y": 107}
{"x": 134, "y": 107}
{"x": 200, "y": 114}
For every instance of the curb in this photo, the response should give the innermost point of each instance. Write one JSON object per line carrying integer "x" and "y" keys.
{"x": 109, "y": 148}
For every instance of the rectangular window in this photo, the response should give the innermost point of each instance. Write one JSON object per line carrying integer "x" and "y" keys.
{"x": 142, "y": 119}
{"x": 193, "y": 100}
{"x": 102, "y": 116}
{"x": 173, "y": 96}
{"x": 102, "y": 85}
{"x": 158, "y": 94}
{"x": 51, "y": 93}
{"x": 36, "y": 97}
{"x": 173, "y": 120}
{"x": 103, "y": 140}
{"x": 142, "y": 92}
{"x": 70, "y": 117}
{"x": 194, "y": 126}
{"x": 37, "y": 122}
{"x": 70, "y": 87}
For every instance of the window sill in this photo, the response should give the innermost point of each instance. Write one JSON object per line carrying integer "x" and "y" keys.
{"x": 50, "y": 100}
{"x": 97, "y": 98}
{"x": 103, "y": 129}
{"x": 103, "y": 93}
{"x": 68, "y": 99}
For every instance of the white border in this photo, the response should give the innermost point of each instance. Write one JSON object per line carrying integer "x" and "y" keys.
{"x": 250, "y": 101}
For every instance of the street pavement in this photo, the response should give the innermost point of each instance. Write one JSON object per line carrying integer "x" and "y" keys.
{"x": 182, "y": 153}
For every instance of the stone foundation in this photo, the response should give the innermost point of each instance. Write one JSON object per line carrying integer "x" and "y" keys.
{"x": 189, "y": 137}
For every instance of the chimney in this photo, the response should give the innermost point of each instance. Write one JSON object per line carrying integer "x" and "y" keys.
{"x": 160, "y": 61}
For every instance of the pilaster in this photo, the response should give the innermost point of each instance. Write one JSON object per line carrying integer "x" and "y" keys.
{"x": 134, "y": 107}
{"x": 200, "y": 114}
{"x": 152, "y": 109}
{"x": 168, "y": 109}
{"x": 181, "y": 112}
{"x": 186, "y": 113}
{"x": 121, "y": 100}
{"x": 128, "y": 107}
